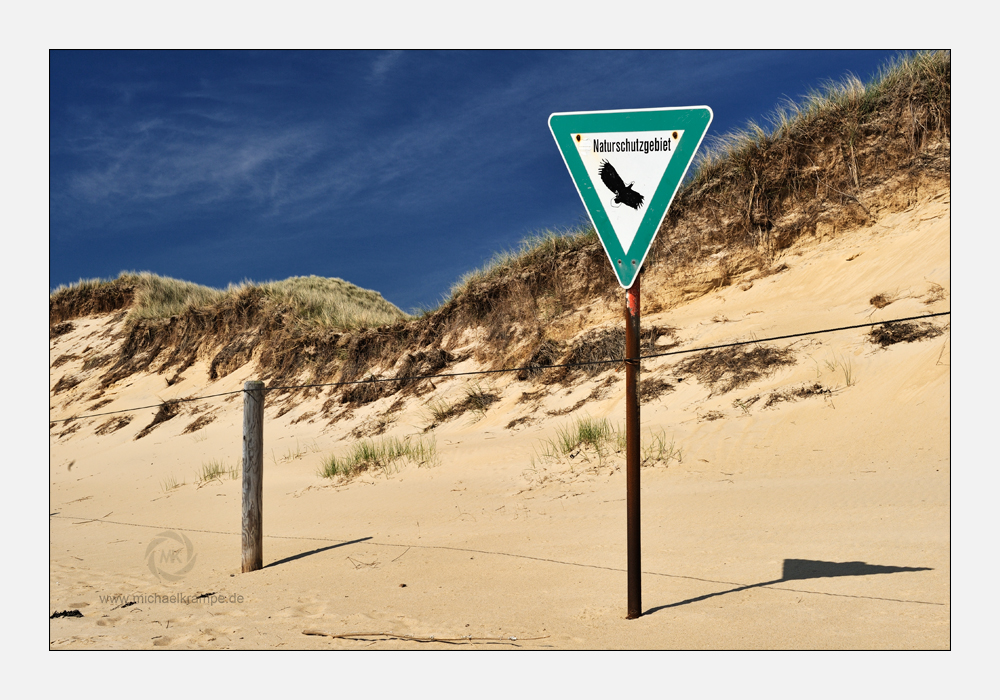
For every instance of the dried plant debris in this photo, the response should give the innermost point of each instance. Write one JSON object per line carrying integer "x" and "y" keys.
{"x": 545, "y": 355}
{"x": 523, "y": 420}
{"x": 412, "y": 376}
{"x": 935, "y": 293}
{"x": 568, "y": 409}
{"x": 96, "y": 361}
{"x": 712, "y": 415}
{"x": 602, "y": 349}
{"x": 113, "y": 424}
{"x": 374, "y": 426}
{"x": 66, "y": 382}
{"x": 744, "y": 404}
{"x": 903, "y": 332}
{"x": 60, "y": 329}
{"x": 803, "y": 392}
{"x": 477, "y": 399}
{"x": 199, "y": 423}
{"x": 168, "y": 410}
{"x": 368, "y": 390}
{"x": 100, "y": 404}
{"x": 421, "y": 364}
{"x": 63, "y": 359}
{"x": 880, "y": 301}
{"x": 731, "y": 368}
{"x": 652, "y": 389}
{"x": 71, "y": 428}
{"x": 533, "y": 396}
{"x": 305, "y": 416}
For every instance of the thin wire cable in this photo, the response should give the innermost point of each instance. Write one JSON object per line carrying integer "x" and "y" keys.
{"x": 368, "y": 541}
{"x": 141, "y": 408}
{"x": 794, "y": 335}
{"x": 376, "y": 380}
{"x": 533, "y": 368}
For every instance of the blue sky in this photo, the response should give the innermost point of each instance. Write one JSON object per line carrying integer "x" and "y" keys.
{"x": 396, "y": 171}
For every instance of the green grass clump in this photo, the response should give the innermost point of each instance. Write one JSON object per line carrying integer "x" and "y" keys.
{"x": 385, "y": 454}
{"x": 584, "y": 437}
{"x": 597, "y": 438}
{"x": 658, "y": 449}
{"x": 171, "y": 483}
{"x": 216, "y": 469}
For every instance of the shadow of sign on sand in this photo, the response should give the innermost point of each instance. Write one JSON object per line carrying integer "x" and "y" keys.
{"x": 802, "y": 569}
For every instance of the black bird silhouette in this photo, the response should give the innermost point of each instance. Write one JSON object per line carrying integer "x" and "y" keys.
{"x": 624, "y": 194}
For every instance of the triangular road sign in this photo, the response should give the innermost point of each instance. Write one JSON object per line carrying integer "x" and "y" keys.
{"x": 627, "y": 167}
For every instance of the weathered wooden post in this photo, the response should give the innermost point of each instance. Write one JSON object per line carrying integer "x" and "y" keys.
{"x": 253, "y": 473}
{"x": 632, "y": 456}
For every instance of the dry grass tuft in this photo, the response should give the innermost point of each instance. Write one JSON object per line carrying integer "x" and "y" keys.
{"x": 602, "y": 347}
{"x": 199, "y": 423}
{"x": 113, "y": 424}
{"x": 904, "y": 332}
{"x": 476, "y": 399}
{"x": 803, "y": 392}
{"x": 652, "y": 389}
{"x": 880, "y": 301}
{"x": 731, "y": 368}
{"x": 935, "y": 293}
{"x": 60, "y": 329}
{"x": 168, "y": 410}
{"x": 66, "y": 382}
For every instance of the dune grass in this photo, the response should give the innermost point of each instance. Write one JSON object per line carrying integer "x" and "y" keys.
{"x": 385, "y": 454}
{"x": 849, "y": 102}
{"x": 738, "y": 157}
{"x": 170, "y": 483}
{"x": 597, "y": 438}
{"x": 216, "y": 469}
{"x": 326, "y": 302}
{"x": 532, "y": 250}
{"x": 332, "y": 302}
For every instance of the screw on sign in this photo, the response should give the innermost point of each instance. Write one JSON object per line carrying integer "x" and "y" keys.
{"x": 627, "y": 166}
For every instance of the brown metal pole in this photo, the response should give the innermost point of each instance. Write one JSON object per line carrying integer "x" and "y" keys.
{"x": 253, "y": 476}
{"x": 632, "y": 448}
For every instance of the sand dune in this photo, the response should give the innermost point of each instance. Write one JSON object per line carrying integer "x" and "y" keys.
{"x": 806, "y": 509}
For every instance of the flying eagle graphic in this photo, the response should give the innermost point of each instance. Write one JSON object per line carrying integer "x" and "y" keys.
{"x": 624, "y": 194}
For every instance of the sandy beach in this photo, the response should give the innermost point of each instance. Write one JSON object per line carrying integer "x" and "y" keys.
{"x": 807, "y": 509}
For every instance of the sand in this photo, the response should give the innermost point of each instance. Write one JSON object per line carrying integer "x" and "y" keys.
{"x": 816, "y": 523}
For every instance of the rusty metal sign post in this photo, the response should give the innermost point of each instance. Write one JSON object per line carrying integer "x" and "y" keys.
{"x": 632, "y": 456}
{"x": 651, "y": 150}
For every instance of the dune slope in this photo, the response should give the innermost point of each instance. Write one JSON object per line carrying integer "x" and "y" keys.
{"x": 794, "y": 498}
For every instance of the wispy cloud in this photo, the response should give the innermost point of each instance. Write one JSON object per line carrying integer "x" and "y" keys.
{"x": 382, "y": 64}
{"x": 444, "y": 151}
{"x": 226, "y": 144}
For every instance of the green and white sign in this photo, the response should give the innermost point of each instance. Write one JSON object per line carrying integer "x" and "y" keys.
{"x": 627, "y": 167}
